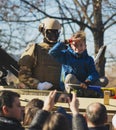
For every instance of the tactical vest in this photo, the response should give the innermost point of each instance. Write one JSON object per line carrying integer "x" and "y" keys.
{"x": 46, "y": 68}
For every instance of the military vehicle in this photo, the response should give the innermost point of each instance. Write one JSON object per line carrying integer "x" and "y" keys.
{"x": 7, "y": 63}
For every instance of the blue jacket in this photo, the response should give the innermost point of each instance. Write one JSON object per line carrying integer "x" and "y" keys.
{"x": 81, "y": 65}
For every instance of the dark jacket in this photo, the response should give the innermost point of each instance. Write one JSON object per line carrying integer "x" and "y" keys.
{"x": 79, "y": 123}
{"x": 10, "y": 124}
{"x": 81, "y": 65}
{"x": 39, "y": 120}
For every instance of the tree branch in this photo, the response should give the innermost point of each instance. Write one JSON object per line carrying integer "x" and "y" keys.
{"x": 109, "y": 19}
{"x": 64, "y": 18}
{"x": 109, "y": 25}
{"x": 84, "y": 13}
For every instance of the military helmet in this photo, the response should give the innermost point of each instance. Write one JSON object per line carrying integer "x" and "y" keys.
{"x": 49, "y": 23}
{"x": 50, "y": 28}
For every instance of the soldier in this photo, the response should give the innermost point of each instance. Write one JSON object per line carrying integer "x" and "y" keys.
{"x": 38, "y": 70}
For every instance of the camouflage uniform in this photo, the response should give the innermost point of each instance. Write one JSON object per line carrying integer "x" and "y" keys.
{"x": 36, "y": 65}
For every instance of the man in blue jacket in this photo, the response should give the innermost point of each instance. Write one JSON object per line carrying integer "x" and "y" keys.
{"x": 77, "y": 66}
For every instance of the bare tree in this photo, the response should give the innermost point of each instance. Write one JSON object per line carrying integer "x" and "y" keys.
{"x": 21, "y": 19}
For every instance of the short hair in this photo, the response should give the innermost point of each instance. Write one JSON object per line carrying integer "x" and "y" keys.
{"x": 80, "y": 35}
{"x": 56, "y": 121}
{"x": 7, "y": 98}
{"x": 96, "y": 113}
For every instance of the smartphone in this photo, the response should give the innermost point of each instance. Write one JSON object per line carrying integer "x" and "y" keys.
{"x": 62, "y": 97}
{"x": 57, "y": 97}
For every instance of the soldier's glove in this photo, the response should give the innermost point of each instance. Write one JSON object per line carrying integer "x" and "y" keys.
{"x": 44, "y": 86}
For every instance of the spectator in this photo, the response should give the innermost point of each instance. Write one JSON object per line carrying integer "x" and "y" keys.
{"x": 77, "y": 66}
{"x": 30, "y": 110}
{"x": 96, "y": 116}
{"x": 114, "y": 122}
{"x": 56, "y": 121}
{"x": 42, "y": 115}
{"x": 11, "y": 111}
{"x": 38, "y": 69}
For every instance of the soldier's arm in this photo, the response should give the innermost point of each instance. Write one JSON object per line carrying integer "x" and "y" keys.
{"x": 25, "y": 76}
{"x": 26, "y": 64}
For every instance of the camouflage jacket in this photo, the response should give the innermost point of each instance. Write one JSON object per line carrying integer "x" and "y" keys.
{"x": 36, "y": 65}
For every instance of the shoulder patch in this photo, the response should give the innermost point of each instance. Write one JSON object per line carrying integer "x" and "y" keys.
{"x": 29, "y": 50}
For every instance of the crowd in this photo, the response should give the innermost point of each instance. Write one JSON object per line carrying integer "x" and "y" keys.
{"x": 12, "y": 114}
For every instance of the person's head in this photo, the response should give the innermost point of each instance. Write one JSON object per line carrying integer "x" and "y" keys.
{"x": 56, "y": 121}
{"x": 50, "y": 28}
{"x": 96, "y": 114}
{"x": 114, "y": 122}
{"x": 10, "y": 105}
{"x": 30, "y": 110}
{"x": 78, "y": 42}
